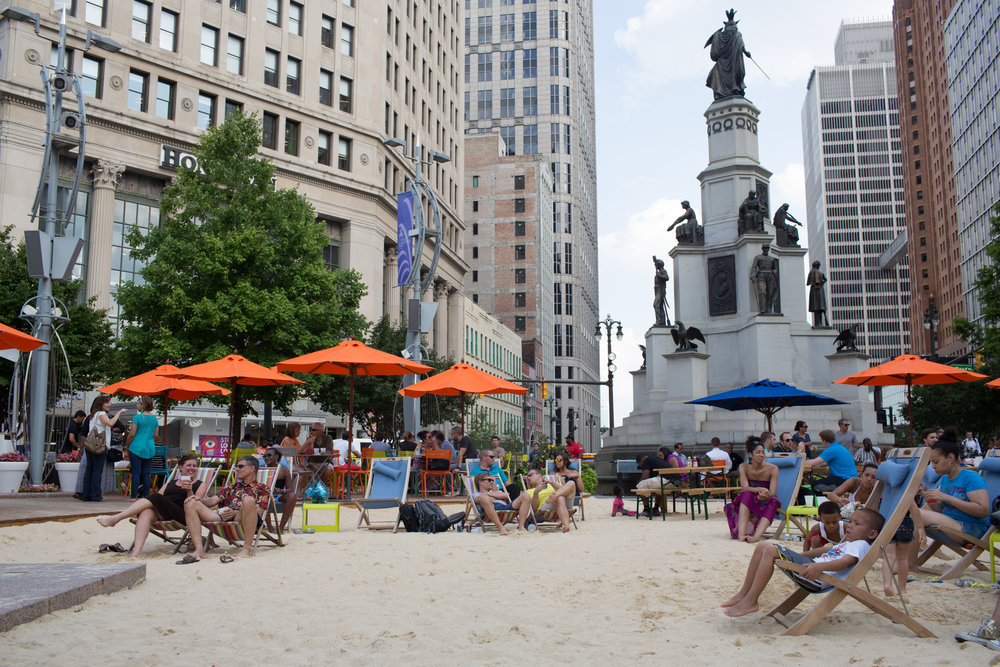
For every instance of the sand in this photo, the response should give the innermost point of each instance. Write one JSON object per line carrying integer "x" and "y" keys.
{"x": 618, "y": 590}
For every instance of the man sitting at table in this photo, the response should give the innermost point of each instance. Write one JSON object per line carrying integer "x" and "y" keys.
{"x": 649, "y": 479}
{"x": 245, "y": 501}
{"x": 837, "y": 459}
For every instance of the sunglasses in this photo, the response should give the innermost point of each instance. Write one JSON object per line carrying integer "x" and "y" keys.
{"x": 241, "y": 465}
{"x": 488, "y": 456}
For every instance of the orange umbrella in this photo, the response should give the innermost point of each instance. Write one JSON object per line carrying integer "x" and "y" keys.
{"x": 18, "y": 340}
{"x": 462, "y": 379}
{"x": 995, "y": 384}
{"x": 237, "y": 371}
{"x": 909, "y": 369}
{"x": 153, "y": 383}
{"x": 351, "y": 357}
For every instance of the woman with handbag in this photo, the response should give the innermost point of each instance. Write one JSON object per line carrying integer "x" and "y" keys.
{"x": 97, "y": 448}
{"x": 141, "y": 447}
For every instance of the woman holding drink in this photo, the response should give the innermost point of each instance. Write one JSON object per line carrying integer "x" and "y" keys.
{"x": 167, "y": 504}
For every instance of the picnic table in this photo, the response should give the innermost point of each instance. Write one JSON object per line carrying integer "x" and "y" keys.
{"x": 692, "y": 494}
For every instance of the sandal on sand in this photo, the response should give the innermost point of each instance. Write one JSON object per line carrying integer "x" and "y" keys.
{"x": 103, "y": 548}
{"x": 225, "y": 558}
{"x": 187, "y": 560}
{"x": 117, "y": 548}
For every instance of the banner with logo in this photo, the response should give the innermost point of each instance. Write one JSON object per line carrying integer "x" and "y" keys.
{"x": 404, "y": 244}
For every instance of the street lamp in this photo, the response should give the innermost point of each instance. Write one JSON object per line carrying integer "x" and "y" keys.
{"x": 552, "y": 404}
{"x": 931, "y": 321}
{"x": 410, "y": 246}
{"x": 607, "y": 322}
{"x": 591, "y": 423}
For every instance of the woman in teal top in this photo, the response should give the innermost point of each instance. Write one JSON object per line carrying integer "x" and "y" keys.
{"x": 141, "y": 447}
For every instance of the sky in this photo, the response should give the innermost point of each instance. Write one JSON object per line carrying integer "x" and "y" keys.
{"x": 650, "y": 69}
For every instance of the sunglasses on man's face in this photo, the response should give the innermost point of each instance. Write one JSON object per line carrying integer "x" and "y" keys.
{"x": 241, "y": 465}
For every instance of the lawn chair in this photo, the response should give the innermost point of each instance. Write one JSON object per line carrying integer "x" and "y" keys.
{"x": 386, "y": 489}
{"x": 549, "y": 517}
{"x": 447, "y": 480}
{"x": 474, "y": 514}
{"x": 232, "y": 531}
{"x": 968, "y": 547}
{"x": 789, "y": 478}
{"x": 161, "y": 529}
{"x": 900, "y": 477}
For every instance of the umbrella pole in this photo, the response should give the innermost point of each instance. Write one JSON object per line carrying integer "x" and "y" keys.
{"x": 350, "y": 433}
{"x": 463, "y": 415}
{"x": 234, "y": 421}
{"x": 166, "y": 405}
{"x": 909, "y": 403}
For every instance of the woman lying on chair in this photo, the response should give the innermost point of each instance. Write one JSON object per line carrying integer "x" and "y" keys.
{"x": 167, "y": 504}
{"x": 960, "y": 500}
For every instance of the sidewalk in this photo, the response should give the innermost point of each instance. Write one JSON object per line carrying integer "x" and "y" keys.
{"x": 21, "y": 508}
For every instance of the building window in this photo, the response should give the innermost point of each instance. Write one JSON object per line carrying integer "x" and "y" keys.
{"x": 206, "y": 111}
{"x": 271, "y": 67}
{"x": 294, "y": 18}
{"x": 519, "y": 252}
{"x": 475, "y": 206}
{"x": 506, "y": 27}
{"x": 138, "y": 90}
{"x": 519, "y": 205}
{"x": 529, "y": 64}
{"x": 93, "y": 12}
{"x": 569, "y": 301}
{"x": 165, "y": 91}
{"x": 91, "y": 76}
{"x": 557, "y": 257}
{"x": 568, "y": 258}
{"x": 274, "y": 12}
{"x": 520, "y": 276}
{"x": 233, "y": 108}
{"x": 344, "y": 154}
{"x": 475, "y": 181}
{"x": 238, "y": 5}
{"x": 326, "y": 87}
{"x": 530, "y": 102}
{"x": 292, "y": 72}
{"x": 168, "y": 30}
{"x": 128, "y": 215}
{"x": 519, "y": 228}
{"x": 346, "y": 40}
{"x": 557, "y": 299}
{"x": 530, "y": 139}
{"x": 234, "y": 55}
{"x": 485, "y": 29}
{"x": 485, "y": 107}
{"x": 142, "y": 12}
{"x": 529, "y": 26}
{"x": 475, "y": 252}
{"x": 569, "y": 340}
{"x": 519, "y": 321}
{"x": 519, "y": 182}
{"x": 554, "y": 136}
{"x": 485, "y": 66}
{"x": 506, "y": 65}
{"x": 269, "y": 136}
{"x": 520, "y": 299}
{"x": 557, "y": 341}
{"x": 209, "y": 45}
{"x": 506, "y": 102}
{"x": 291, "y": 137}
{"x": 475, "y": 276}
{"x": 508, "y": 134}
{"x": 326, "y": 31}
{"x": 475, "y": 229}
{"x": 323, "y": 141}
{"x": 346, "y": 93}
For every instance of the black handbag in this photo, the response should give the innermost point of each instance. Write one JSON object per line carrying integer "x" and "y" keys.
{"x": 115, "y": 455}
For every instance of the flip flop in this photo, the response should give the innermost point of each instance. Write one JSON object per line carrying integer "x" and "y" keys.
{"x": 117, "y": 548}
{"x": 226, "y": 558}
{"x": 187, "y": 560}
{"x": 103, "y": 548}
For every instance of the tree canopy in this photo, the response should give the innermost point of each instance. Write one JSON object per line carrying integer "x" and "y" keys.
{"x": 236, "y": 265}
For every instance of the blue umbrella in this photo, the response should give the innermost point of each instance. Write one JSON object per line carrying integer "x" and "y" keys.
{"x": 766, "y": 397}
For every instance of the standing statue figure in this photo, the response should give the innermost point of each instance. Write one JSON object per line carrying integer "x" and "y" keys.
{"x": 752, "y": 214}
{"x": 689, "y": 232}
{"x": 726, "y": 78}
{"x": 764, "y": 279}
{"x": 817, "y": 296}
{"x": 660, "y": 294}
{"x": 784, "y": 234}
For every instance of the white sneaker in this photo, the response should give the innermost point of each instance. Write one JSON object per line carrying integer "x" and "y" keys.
{"x": 987, "y": 635}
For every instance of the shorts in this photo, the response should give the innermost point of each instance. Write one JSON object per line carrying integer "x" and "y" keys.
{"x": 904, "y": 534}
{"x": 810, "y": 585}
{"x": 503, "y": 507}
{"x": 654, "y": 483}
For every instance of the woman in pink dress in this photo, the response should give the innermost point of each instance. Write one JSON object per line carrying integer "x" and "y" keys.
{"x": 753, "y": 510}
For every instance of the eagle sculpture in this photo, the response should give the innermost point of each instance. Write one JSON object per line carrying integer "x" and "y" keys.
{"x": 684, "y": 337}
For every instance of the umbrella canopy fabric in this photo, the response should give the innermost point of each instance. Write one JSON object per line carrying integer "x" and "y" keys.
{"x": 462, "y": 379}
{"x": 766, "y": 397}
{"x": 910, "y": 369}
{"x": 994, "y": 384}
{"x": 11, "y": 338}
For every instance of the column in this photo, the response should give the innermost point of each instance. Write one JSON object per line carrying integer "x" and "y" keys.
{"x": 105, "y": 175}
{"x": 392, "y": 291}
{"x": 441, "y": 318}
{"x": 456, "y": 324}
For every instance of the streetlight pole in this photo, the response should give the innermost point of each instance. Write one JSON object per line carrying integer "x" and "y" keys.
{"x": 591, "y": 423}
{"x": 607, "y": 323}
{"x": 552, "y": 404}
{"x": 931, "y": 321}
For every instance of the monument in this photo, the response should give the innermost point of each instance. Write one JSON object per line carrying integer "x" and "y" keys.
{"x": 740, "y": 290}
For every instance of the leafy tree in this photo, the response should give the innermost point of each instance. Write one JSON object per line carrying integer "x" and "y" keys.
{"x": 87, "y": 336}
{"x": 236, "y": 265}
{"x": 971, "y": 405}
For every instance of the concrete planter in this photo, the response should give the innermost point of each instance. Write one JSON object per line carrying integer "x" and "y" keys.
{"x": 67, "y": 475}
{"x": 11, "y": 474}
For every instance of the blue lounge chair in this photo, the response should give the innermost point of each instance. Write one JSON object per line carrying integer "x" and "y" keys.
{"x": 386, "y": 490}
{"x": 789, "y": 478}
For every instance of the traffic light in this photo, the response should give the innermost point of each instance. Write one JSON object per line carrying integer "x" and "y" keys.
{"x": 545, "y": 389}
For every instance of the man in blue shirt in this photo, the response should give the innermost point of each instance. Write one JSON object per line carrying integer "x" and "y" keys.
{"x": 837, "y": 459}
{"x": 487, "y": 463}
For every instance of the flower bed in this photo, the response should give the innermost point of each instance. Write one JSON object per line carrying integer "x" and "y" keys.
{"x": 12, "y": 457}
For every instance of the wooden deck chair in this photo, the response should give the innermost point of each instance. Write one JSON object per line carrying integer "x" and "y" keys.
{"x": 900, "y": 477}
{"x": 162, "y": 529}
{"x": 474, "y": 514}
{"x": 789, "y": 478}
{"x": 968, "y": 547}
{"x": 574, "y": 464}
{"x": 232, "y": 531}
{"x": 549, "y": 518}
{"x": 386, "y": 490}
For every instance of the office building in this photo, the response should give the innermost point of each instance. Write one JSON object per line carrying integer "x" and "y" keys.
{"x": 492, "y": 347}
{"x": 529, "y": 76}
{"x": 854, "y": 187}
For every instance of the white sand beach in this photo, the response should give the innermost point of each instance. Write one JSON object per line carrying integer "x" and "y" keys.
{"x": 618, "y": 590}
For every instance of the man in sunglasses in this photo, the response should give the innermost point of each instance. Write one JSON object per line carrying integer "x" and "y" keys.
{"x": 488, "y": 462}
{"x": 245, "y": 501}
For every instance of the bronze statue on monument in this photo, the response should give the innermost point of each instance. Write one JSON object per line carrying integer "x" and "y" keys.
{"x": 727, "y": 76}
{"x": 785, "y": 235}
{"x": 764, "y": 279}
{"x": 660, "y": 294}
{"x": 689, "y": 232}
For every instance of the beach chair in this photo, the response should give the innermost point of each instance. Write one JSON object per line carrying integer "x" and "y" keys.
{"x": 574, "y": 464}
{"x": 162, "y": 529}
{"x": 967, "y": 547}
{"x": 789, "y": 478}
{"x": 232, "y": 531}
{"x": 386, "y": 490}
{"x": 474, "y": 514}
{"x": 900, "y": 477}
{"x": 549, "y": 518}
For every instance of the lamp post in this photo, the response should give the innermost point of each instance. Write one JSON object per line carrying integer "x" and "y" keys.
{"x": 552, "y": 404}
{"x": 931, "y": 321}
{"x": 591, "y": 423}
{"x": 607, "y": 323}
{"x": 418, "y": 312}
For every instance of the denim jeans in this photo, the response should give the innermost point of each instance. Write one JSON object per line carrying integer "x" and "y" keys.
{"x": 139, "y": 472}
{"x": 92, "y": 476}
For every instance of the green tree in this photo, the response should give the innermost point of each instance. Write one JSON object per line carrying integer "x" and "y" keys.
{"x": 87, "y": 336}
{"x": 236, "y": 265}
{"x": 971, "y": 405}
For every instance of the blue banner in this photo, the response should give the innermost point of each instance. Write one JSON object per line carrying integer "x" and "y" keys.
{"x": 404, "y": 244}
